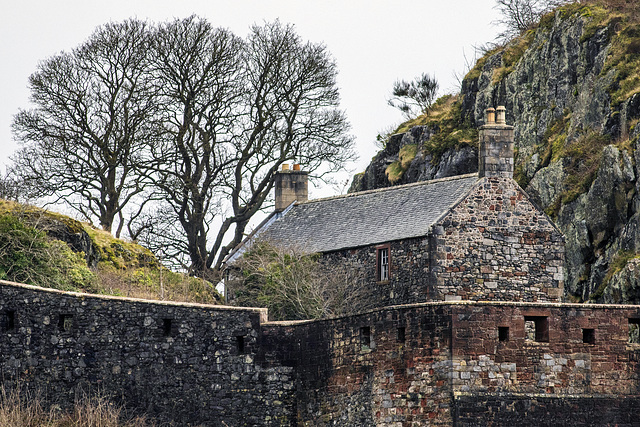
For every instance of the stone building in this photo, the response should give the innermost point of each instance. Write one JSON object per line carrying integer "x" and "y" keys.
{"x": 469, "y": 237}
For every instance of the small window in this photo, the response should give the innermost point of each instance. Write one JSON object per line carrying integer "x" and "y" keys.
{"x": 589, "y": 336}
{"x": 65, "y": 322}
{"x": 400, "y": 334}
{"x": 166, "y": 327}
{"x": 240, "y": 344}
{"x": 503, "y": 333}
{"x": 634, "y": 331}
{"x": 383, "y": 264}
{"x": 9, "y": 320}
{"x": 365, "y": 338}
{"x": 537, "y": 328}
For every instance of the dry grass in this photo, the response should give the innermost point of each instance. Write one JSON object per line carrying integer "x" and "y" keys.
{"x": 23, "y": 409}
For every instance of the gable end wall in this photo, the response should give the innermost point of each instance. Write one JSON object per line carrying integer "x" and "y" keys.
{"x": 495, "y": 244}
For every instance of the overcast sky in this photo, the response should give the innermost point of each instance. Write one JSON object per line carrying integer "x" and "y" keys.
{"x": 374, "y": 43}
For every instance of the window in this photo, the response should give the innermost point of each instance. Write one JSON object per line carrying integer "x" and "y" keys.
{"x": 634, "y": 331}
{"x": 400, "y": 335}
{"x": 240, "y": 344}
{"x": 365, "y": 338}
{"x": 589, "y": 336}
{"x": 166, "y": 327}
{"x": 383, "y": 264}
{"x": 503, "y": 333}
{"x": 9, "y": 320}
{"x": 536, "y": 328}
{"x": 65, "y": 322}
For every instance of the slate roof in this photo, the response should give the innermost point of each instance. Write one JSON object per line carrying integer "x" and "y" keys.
{"x": 368, "y": 217}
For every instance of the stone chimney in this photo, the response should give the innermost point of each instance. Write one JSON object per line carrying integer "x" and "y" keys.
{"x": 291, "y": 186}
{"x": 495, "y": 156}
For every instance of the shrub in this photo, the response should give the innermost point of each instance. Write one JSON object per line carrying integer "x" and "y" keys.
{"x": 292, "y": 284}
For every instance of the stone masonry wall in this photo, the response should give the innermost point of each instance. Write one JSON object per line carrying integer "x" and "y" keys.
{"x": 185, "y": 363}
{"x": 496, "y": 245}
{"x": 438, "y": 363}
{"x": 409, "y": 272}
{"x": 564, "y": 360}
{"x": 447, "y": 364}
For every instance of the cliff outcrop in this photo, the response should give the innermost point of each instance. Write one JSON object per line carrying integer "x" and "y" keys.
{"x": 571, "y": 87}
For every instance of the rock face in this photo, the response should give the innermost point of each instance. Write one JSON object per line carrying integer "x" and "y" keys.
{"x": 575, "y": 135}
{"x": 452, "y": 162}
{"x": 78, "y": 241}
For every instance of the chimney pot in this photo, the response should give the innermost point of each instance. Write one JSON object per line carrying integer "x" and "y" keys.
{"x": 491, "y": 116}
{"x": 501, "y": 115}
{"x": 296, "y": 167}
{"x": 285, "y": 166}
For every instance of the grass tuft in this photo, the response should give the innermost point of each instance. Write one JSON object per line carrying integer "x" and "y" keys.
{"x": 24, "y": 409}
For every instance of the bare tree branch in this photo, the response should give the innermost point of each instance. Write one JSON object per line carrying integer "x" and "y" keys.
{"x": 82, "y": 143}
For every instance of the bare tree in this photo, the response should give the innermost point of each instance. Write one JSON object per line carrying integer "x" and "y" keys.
{"x": 415, "y": 97}
{"x": 82, "y": 143}
{"x": 198, "y": 77}
{"x": 519, "y": 16}
{"x": 234, "y": 112}
{"x": 11, "y": 188}
{"x": 293, "y": 284}
{"x": 185, "y": 115}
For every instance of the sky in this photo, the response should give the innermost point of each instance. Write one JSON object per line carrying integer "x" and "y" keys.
{"x": 374, "y": 43}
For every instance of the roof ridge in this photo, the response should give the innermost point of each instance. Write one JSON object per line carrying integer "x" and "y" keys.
{"x": 395, "y": 187}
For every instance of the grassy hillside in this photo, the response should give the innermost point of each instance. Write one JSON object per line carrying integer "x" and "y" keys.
{"x": 47, "y": 249}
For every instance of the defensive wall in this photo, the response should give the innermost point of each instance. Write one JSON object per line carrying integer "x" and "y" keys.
{"x": 439, "y": 363}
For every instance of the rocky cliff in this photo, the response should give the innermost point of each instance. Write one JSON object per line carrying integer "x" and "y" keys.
{"x": 572, "y": 89}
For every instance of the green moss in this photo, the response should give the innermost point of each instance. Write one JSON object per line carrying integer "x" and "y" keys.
{"x": 581, "y": 162}
{"x": 28, "y": 255}
{"x": 519, "y": 174}
{"x": 475, "y": 72}
{"x": 450, "y": 131}
{"x": 120, "y": 253}
{"x": 623, "y": 57}
{"x": 581, "y": 159}
{"x": 553, "y": 140}
{"x": 598, "y": 18}
{"x": 396, "y": 170}
{"x": 407, "y": 154}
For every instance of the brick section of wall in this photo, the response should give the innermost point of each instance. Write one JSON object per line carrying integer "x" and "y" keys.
{"x": 393, "y": 378}
{"x": 409, "y": 279}
{"x": 188, "y": 369}
{"x": 496, "y": 245}
{"x": 449, "y": 353}
{"x": 565, "y": 364}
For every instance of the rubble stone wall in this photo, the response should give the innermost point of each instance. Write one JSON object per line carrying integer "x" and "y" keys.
{"x": 185, "y": 363}
{"x": 408, "y": 282}
{"x": 448, "y": 364}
